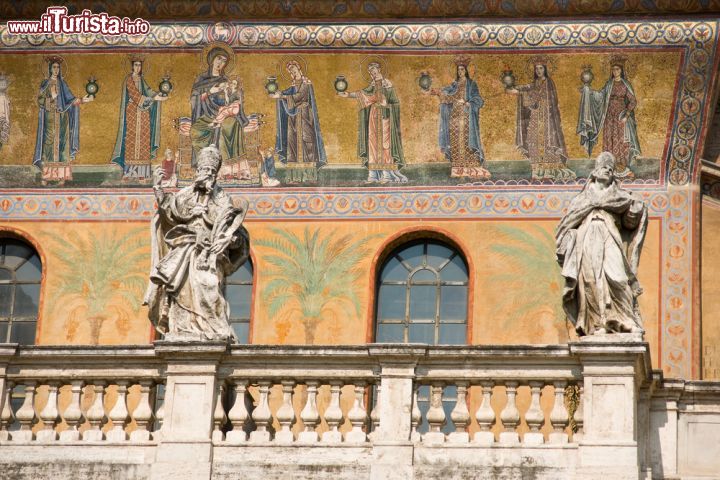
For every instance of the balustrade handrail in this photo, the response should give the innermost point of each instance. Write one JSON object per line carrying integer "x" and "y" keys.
{"x": 86, "y": 362}
{"x": 516, "y": 362}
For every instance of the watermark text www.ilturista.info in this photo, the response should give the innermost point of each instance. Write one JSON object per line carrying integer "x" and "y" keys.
{"x": 57, "y": 21}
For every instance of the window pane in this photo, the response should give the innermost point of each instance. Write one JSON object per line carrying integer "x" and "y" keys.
{"x": 390, "y": 333}
{"x": 421, "y": 333}
{"x": 438, "y": 254}
{"x": 3, "y": 332}
{"x": 5, "y": 275}
{"x": 26, "y": 300}
{"x": 15, "y": 253}
{"x": 394, "y": 271}
{"x": 424, "y": 276}
{"x": 239, "y": 298}
{"x": 242, "y": 275}
{"x": 453, "y": 303}
{"x": 453, "y": 334}
{"x": 455, "y": 271}
{"x": 413, "y": 256}
{"x": 422, "y": 302}
{"x": 5, "y": 300}
{"x": 23, "y": 332}
{"x": 241, "y": 329}
{"x": 30, "y": 270}
{"x": 391, "y": 302}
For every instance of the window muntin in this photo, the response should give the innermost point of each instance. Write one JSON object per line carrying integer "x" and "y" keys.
{"x": 422, "y": 295}
{"x": 238, "y": 292}
{"x": 20, "y": 277}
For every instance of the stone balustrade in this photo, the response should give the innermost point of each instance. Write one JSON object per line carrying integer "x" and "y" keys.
{"x": 590, "y": 409}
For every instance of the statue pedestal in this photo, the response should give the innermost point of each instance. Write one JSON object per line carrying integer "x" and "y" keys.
{"x": 185, "y": 450}
{"x": 614, "y": 368}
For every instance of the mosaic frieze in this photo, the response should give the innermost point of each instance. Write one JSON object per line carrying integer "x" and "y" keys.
{"x": 354, "y": 105}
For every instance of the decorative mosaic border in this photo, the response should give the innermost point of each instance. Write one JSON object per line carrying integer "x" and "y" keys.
{"x": 673, "y": 208}
{"x": 283, "y": 9}
{"x": 676, "y": 309}
{"x": 456, "y": 35}
{"x": 697, "y": 39}
{"x": 313, "y": 205}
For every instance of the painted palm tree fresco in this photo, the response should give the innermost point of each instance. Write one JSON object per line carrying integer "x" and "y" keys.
{"x": 528, "y": 255}
{"x": 101, "y": 279}
{"x": 312, "y": 276}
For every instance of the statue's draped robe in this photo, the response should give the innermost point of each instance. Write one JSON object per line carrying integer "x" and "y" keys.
{"x": 598, "y": 246}
{"x": 604, "y": 111}
{"x": 298, "y": 141}
{"x": 185, "y": 296}
{"x": 58, "y": 132}
{"x": 138, "y": 136}
{"x": 459, "y": 136}
{"x": 379, "y": 134}
{"x": 205, "y": 107}
{"x": 538, "y": 132}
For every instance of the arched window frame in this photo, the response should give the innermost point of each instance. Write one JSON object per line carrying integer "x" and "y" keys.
{"x": 252, "y": 283}
{"x": 8, "y": 233}
{"x": 408, "y": 236}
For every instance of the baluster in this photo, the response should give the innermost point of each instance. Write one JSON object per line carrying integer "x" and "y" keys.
{"x": 286, "y": 413}
{"x": 49, "y": 415}
{"x": 26, "y": 414}
{"x": 119, "y": 414}
{"x": 160, "y": 417}
{"x": 219, "y": 417}
{"x": 333, "y": 414}
{"x": 357, "y": 415}
{"x": 435, "y": 416}
{"x": 238, "y": 414}
{"x": 510, "y": 416}
{"x": 142, "y": 414}
{"x": 534, "y": 416}
{"x": 375, "y": 416}
{"x": 6, "y": 415}
{"x": 460, "y": 416}
{"x": 73, "y": 414}
{"x": 579, "y": 415}
{"x": 485, "y": 416}
{"x": 262, "y": 415}
{"x": 415, "y": 416}
{"x": 310, "y": 414}
{"x": 96, "y": 414}
{"x": 559, "y": 414}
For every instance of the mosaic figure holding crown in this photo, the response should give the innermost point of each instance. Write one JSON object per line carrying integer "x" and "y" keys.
{"x": 197, "y": 241}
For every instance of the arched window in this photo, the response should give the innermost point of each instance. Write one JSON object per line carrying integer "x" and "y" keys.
{"x": 20, "y": 275}
{"x": 422, "y": 295}
{"x": 238, "y": 291}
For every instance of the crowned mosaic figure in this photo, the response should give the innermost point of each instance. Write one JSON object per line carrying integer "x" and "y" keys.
{"x": 298, "y": 140}
{"x": 4, "y": 110}
{"x": 197, "y": 241}
{"x": 538, "y": 127}
{"x": 58, "y": 132}
{"x": 138, "y": 136}
{"x": 459, "y": 135}
{"x": 379, "y": 133}
{"x": 610, "y": 111}
{"x": 217, "y": 105}
{"x": 599, "y": 241}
